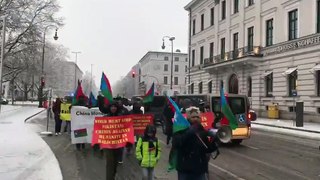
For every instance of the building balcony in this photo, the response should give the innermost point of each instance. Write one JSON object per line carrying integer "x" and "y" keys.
{"x": 247, "y": 55}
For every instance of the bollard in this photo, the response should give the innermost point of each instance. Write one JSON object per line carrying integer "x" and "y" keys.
{"x": 299, "y": 114}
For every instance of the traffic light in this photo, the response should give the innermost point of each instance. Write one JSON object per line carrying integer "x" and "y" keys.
{"x": 43, "y": 83}
{"x": 133, "y": 74}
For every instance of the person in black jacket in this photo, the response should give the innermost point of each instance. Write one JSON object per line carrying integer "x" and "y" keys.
{"x": 136, "y": 109}
{"x": 113, "y": 156}
{"x": 192, "y": 146}
{"x": 168, "y": 115}
{"x": 56, "y": 111}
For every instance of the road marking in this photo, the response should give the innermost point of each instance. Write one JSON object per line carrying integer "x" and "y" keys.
{"x": 226, "y": 171}
{"x": 252, "y": 147}
{"x": 277, "y": 167}
{"x": 217, "y": 167}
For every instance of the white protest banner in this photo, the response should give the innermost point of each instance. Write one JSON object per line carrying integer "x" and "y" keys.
{"x": 82, "y": 120}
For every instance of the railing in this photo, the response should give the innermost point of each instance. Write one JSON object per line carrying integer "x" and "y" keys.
{"x": 254, "y": 51}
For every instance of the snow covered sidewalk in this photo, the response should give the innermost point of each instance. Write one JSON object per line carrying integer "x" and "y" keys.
{"x": 23, "y": 153}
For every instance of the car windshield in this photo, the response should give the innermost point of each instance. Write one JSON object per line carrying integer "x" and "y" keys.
{"x": 187, "y": 101}
{"x": 237, "y": 104}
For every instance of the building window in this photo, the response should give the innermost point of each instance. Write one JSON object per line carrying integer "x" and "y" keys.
{"x": 194, "y": 27}
{"x": 235, "y": 6}
{"x": 176, "y": 58}
{"x": 210, "y": 87}
{"x": 202, "y": 22}
{"x": 193, "y": 54}
{"x": 269, "y": 85}
{"x": 235, "y": 45}
{"x": 250, "y": 38}
{"x": 318, "y": 16}
{"x": 293, "y": 24}
{"x": 293, "y": 78}
{"x": 186, "y": 68}
{"x": 192, "y": 88}
{"x": 176, "y": 68}
{"x": 318, "y": 83}
{"x": 166, "y": 58}
{"x": 250, "y": 2}
{"x": 165, "y": 80}
{"x": 212, "y": 16}
{"x": 200, "y": 88}
{"x": 269, "y": 32}
{"x": 165, "y": 68}
{"x": 249, "y": 87}
{"x": 222, "y": 47}
{"x": 176, "y": 81}
{"x": 211, "y": 50}
{"x": 201, "y": 55}
{"x": 223, "y": 10}
{"x": 186, "y": 59}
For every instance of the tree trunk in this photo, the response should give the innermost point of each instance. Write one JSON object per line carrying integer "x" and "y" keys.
{"x": 25, "y": 98}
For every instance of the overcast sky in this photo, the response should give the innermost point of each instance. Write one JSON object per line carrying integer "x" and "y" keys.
{"x": 113, "y": 35}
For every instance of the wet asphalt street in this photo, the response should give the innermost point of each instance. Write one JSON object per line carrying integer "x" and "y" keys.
{"x": 265, "y": 155}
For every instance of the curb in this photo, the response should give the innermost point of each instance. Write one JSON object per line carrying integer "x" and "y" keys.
{"x": 34, "y": 115}
{"x": 285, "y": 127}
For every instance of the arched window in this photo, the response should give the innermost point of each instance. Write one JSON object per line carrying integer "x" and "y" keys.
{"x": 200, "y": 88}
{"x": 233, "y": 84}
{"x": 210, "y": 87}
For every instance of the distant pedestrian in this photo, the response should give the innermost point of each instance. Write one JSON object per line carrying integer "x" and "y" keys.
{"x": 148, "y": 152}
{"x": 56, "y": 111}
{"x": 168, "y": 115}
{"x": 136, "y": 109}
{"x": 82, "y": 101}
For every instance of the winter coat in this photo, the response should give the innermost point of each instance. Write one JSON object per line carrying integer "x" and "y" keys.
{"x": 191, "y": 152}
{"x": 148, "y": 152}
{"x": 168, "y": 114}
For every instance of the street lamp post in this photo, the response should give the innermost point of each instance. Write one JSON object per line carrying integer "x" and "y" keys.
{"x": 163, "y": 47}
{"x": 55, "y": 37}
{"x": 75, "y": 68}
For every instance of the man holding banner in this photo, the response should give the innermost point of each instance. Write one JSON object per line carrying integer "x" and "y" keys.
{"x": 112, "y": 133}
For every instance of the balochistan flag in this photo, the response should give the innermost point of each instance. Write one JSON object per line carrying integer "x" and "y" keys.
{"x": 179, "y": 123}
{"x": 148, "y": 98}
{"x": 92, "y": 100}
{"x": 106, "y": 89}
{"x": 80, "y": 133}
{"x": 79, "y": 93}
{"x": 225, "y": 109}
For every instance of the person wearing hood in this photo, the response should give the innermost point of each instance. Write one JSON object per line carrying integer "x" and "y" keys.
{"x": 148, "y": 152}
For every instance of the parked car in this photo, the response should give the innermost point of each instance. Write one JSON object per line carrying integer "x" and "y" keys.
{"x": 4, "y": 101}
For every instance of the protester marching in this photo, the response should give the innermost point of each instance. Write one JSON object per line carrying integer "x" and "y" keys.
{"x": 117, "y": 126}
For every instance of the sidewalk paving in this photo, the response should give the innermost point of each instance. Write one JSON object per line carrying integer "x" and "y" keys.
{"x": 23, "y": 153}
{"x": 309, "y": 129}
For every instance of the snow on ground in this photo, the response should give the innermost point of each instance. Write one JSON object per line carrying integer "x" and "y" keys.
{"x": 23, "y": 153}
{"x": 282, "y": 130}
